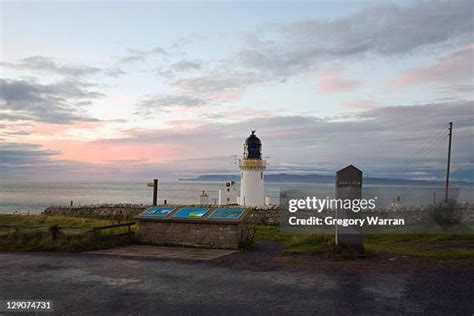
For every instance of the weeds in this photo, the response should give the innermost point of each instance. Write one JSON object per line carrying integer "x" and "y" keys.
{"x": 51, "y": 237}
{"x": 433, "y": 246}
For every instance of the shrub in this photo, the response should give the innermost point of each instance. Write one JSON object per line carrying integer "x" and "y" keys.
{"x": 446, "y": 215}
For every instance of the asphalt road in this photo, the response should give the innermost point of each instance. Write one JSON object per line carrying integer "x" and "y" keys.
{"x": 101, "y": 285}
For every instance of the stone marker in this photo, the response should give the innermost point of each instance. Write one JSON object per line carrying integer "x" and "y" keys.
{"x": 348, "y": 186}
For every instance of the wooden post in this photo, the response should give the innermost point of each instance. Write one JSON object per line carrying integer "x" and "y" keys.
{"x": 155, "y": 192}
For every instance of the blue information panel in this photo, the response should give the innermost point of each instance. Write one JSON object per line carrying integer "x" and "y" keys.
{"x": 158, "y": 211}
{"x": 226, "y": 213}
{"x": 191, "y": 212}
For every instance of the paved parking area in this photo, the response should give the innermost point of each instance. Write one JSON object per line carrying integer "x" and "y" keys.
{"x": 84, "y": 284}
{"x": 158, "y": 252}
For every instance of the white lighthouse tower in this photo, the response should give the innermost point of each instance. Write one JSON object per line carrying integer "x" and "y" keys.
{"x": 252, "y": 191}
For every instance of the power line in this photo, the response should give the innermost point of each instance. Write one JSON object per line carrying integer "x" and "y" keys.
{"x": 428, "y": 151}
{"x": 422, "y": 148}
{"x": 425, "y": 148}
{"x": 422, "y": 155}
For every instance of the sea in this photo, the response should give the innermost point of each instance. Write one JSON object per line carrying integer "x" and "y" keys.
{"x": 33, "y": 197}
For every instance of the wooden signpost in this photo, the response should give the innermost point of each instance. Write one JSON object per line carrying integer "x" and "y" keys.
{"x": 154, "y": 185}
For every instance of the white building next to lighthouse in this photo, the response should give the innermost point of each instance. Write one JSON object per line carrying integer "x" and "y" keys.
{"x": 252, "y": 166}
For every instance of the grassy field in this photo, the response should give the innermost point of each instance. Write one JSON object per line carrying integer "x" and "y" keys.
{"x": 434, "y": 246}
{"x": 76, "y": 237}
{"x": 79, "y": 238}
{"x": 53, "y": 220}
{"x": 301, "y": 243}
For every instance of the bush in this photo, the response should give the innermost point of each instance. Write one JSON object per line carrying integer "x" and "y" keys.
{"x": 249, "y": 242}
{"x": 446, "y": 215}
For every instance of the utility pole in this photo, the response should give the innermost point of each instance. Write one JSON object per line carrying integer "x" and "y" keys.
{"x": 450, "y": 135}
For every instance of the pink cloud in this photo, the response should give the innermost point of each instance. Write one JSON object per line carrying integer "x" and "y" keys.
{"x": 332, "y": 82}
{"x": 45, "y": 129}
{"x": 453, "y": 68}
{"x": 106, "y": 151}
{"x": 229, "y": 96}
{"x": 36, "y": 130}
{"x": 248, "y": 112}
{"x": 360, "y": 104}
{"x": 185, "y": 123}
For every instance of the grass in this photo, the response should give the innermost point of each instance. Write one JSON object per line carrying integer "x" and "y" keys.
{"x": 49, "y": 220}
{"x": 433, "y": 246}
{"x": 297, "y": 243}
{"x": 44, "y": 238}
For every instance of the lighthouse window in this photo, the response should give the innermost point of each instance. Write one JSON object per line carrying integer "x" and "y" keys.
{"x": 228, "y": 190}
{"x": 261, "y": 175}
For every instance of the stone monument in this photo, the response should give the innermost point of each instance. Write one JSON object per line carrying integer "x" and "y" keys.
{"x": 348, "y": 186}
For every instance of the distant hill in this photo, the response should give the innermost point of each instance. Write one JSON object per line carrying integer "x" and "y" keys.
{"x": 316, "y": 178}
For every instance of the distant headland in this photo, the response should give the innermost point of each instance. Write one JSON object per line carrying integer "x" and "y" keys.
{"x": 316, "y": 178}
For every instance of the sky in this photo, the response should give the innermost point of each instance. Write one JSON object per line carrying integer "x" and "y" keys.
{"x": 129, "y": 90}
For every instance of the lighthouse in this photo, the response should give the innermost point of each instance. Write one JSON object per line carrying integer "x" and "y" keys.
{"x": 252, "y": 191}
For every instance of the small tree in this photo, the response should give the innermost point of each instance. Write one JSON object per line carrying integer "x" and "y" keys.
{"x": 446, "y": 215}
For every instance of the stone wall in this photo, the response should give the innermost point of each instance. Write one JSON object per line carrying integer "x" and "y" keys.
{"x": 424, "y": 213}
{"x": 193, "y": 234}
{"x": 423, "y": 219}
{"x": 267, "y": 215}
{"x": 102, "y": 210}
{"x": 412, "y": 214}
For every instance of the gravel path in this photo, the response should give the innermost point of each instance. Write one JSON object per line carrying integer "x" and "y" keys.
{"x": 102, "y": 285}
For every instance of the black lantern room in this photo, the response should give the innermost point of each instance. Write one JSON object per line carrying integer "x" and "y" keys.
{"x": 253, "y": 147}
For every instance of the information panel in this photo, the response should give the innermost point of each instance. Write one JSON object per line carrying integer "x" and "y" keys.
{"x": 226, "y": 213}
{"x": 157, "y": 211}
{"x": 191, "y": 212}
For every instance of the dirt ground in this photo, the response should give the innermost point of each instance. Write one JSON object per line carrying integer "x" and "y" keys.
{"x": 257, "y": 282}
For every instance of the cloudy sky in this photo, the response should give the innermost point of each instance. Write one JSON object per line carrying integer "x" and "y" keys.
{"x": 135, "y": 90}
